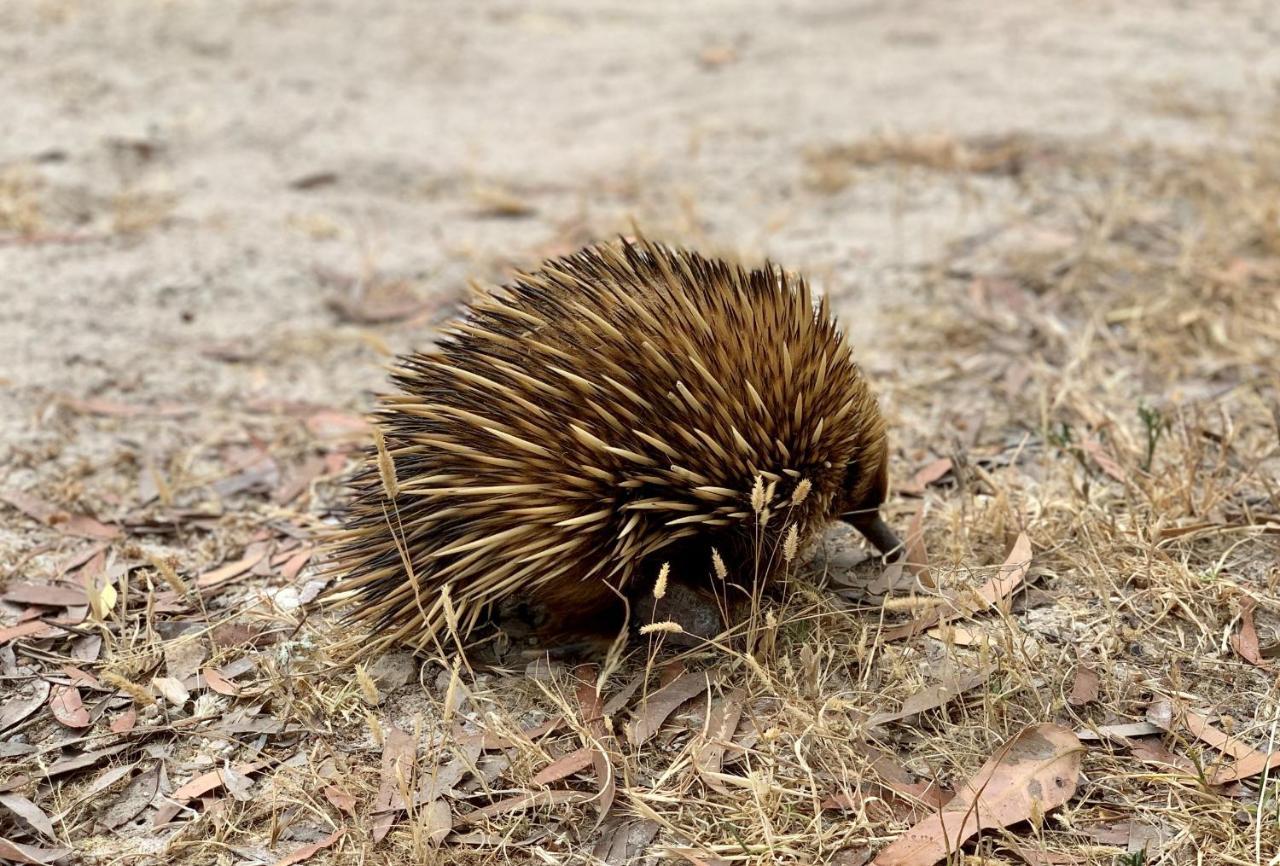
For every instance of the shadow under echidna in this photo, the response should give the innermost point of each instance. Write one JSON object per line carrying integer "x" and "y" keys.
{"x": 629, "y": 411}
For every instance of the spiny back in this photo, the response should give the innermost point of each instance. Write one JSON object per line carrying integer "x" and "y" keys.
{"x": 572, "y": 427}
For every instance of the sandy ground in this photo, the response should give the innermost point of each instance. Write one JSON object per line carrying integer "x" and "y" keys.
{"x": 191, "y": 191}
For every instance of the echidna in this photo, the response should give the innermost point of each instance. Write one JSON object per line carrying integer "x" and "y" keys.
{"x": 623, "y": 408}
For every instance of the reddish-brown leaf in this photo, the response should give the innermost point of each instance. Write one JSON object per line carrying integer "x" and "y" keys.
{"x": 1031, "y": 774}
{"x": 295, "y": 563}
{"x": 562, "y": 767}
{"x": 67, "y": 707}
{"x": 1084, "y": 688}
{"x": 399, "y": 750}
{"x": 212, "y": 780}
{"x": 30, "y": 854}
{"x": 31, "y": 628}
{"x": 341, "y": 799}
{"x": 306, "y": 852}
{"x": 56, "y": 518}
{"x": 1104, "y": 460}
{"x": 232, "y": 569}
{"x": 219, "y": 683}
{"x": 1248, "y": 760}
{"x": 46, "y": 595}
{"x": 1245, "y": 642}
{"x": 655, "y": 709}
{"x": 123, "y": 723}
{"x": 925, "y": 476}
{"x": 331, "y": 424}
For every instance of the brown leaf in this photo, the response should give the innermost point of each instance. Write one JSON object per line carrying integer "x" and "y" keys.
{"x": 490, "y": 742}
{"x": 1152, "y": 751}
{"x": 220, "y": 684}
{"x": 722, "y": 721}
{"x": 524, "y": 801}
{"x": 15, "y": 708}
{"x": 1011, "y": 574}
{"x": 30, "y": 813}
{"x": 592, "y": 708}
{"x": 436, "y": 820}
{"x": 399, "y": 751}
{"x": 916, "y": 558}
{"x": 30, "y": 854}
{"x": 67, "y": 707}
{"x": 654, "y": 710}
{"x": 1245, "y": 643}
{"x": 1248, "y": 760}
{"x": 331, "y": 424}
{"x": 1033, "y": 773}
{"x": 85, "y": 759}
{"x": 45, "y": 595}
{"x": 1104, "y": 460}
{"x": 31, "y": 628}
{"x": 252, "y": 557}
{"x": 927, "y": 474}
{"x": 308, "y": 851}
{"x": 56, "y": 518}
{"x": 124, "y": 723}
{"x": 562, "y": 767}
{"x": 212, "y": 780}
{"x": 137, "y": 795}
{"x": 935, "y": 696}
{"x": 341, "y": 799}
{"x": 290, "y": 569}
{"x": 1084, "y": 688}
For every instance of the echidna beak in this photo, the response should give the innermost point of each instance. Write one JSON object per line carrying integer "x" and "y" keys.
{"x": 876, "y": 531}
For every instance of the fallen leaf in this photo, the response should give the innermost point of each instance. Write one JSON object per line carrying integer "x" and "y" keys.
{"x": 290, "y": 569}
{"x": 139, "y": 794}
{"x": 1084, "y": 688}
{"x": 592, "y": 709}
{"x": 1245, "y": 642}
{"x": 436, "y": 820}
{"x": 331, "y": 424}
{"x": 399, "y": 750}
{"x": 927, "y": 474}
{"x": 84, "y": 759}
{"x": 306, "y": 852}
{"x": 67, "y": 707}
{"x": 1033, "y": 773}
{"x": 564, "y": 766}
{"x": 30, "y": 854}
{"x": 220, "y": 684}
{"x": 30, "y": 813}
{"x": 654, "y": 710}
{"x": 1104, "y": 460}
{"x": 15, "y": 709}
{"x": 234, "y": 569}
{"x": 524, "y": 801}
{"x": 935, "y": 696}
{"x": 1248, "y": 760}
{"x": 299, "y": 481}
{"x": 340, "y": 799}
{"x": 212, "y": 780}
{"x": 722, "y": 721}
{"x": 172, "y": 689}
{"x": 124, "y": 722}
{"x": 1120, "y": 731}
{"x": 32, "y": 628}
{"x": 1152, "y": 751}
{"x": 56, "y": 518}
{"x": 45, "y": 595}
{"x": 490, "y": 742}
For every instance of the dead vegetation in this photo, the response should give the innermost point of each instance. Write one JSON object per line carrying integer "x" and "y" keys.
{"x": 1080, "y": 659}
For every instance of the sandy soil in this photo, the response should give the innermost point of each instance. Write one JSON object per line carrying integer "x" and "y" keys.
{"x": 196, "y": 196}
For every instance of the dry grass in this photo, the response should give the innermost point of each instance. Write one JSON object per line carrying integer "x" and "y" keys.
{"x": 1103, "y": 376}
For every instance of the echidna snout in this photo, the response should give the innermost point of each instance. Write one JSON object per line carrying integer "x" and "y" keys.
{"x": 628, "y": 407}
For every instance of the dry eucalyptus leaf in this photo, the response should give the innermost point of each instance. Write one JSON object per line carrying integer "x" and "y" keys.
{"x": 1030, "y": 775}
